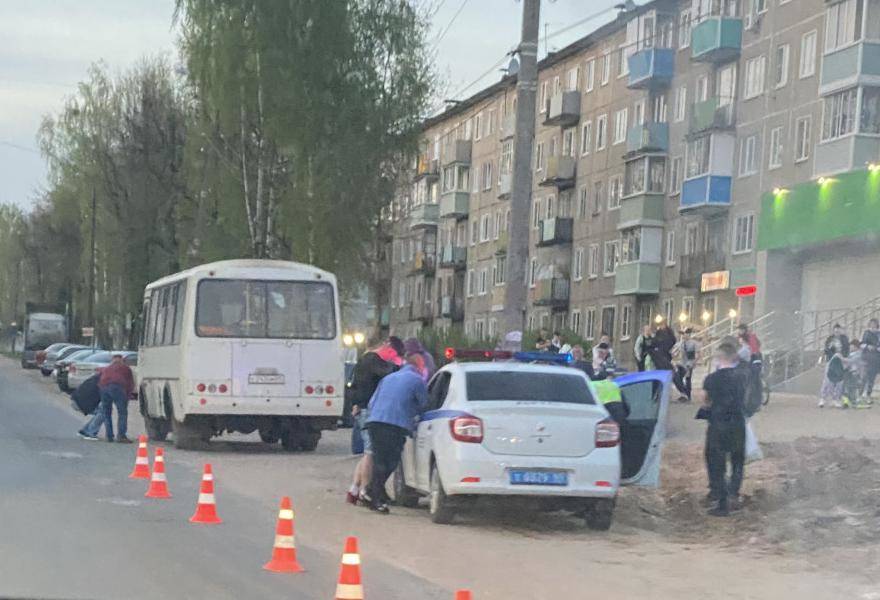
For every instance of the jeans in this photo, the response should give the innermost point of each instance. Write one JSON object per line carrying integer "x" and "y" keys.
{"x": 94, "y": 425}
{"x": 725, "y": 440}
{"x": 114, "y": 395}
{"x": 872, "y": 368}
{"x": 388, "y": 441}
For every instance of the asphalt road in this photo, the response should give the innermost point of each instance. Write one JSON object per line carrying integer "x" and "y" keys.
{"x": 72, "y": 525}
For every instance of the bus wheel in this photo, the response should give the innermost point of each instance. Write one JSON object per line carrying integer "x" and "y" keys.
{"x": 157, "y": 429}
{"x": 268, "y": 436}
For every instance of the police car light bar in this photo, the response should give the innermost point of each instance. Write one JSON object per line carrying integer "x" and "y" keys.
{"x": 476, "y": 354}
{"x": 545, "y": 357}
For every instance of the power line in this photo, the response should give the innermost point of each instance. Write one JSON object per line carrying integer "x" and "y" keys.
{"x": 19, "y": 147}
{"x": 451, "y": 22}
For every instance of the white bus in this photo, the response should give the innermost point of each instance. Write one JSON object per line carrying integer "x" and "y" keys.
{"x": 242, "y": 345}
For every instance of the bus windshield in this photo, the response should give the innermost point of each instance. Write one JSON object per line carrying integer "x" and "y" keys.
{"x": 265, "y": 309}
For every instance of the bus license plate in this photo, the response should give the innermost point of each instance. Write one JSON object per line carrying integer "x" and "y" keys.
{"x": 265, "y": 379}
{"x": 538, "y": 478}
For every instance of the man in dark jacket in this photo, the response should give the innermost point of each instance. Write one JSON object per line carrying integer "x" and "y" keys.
{"x": 87, "y": 398}
{"x": 117, "y": 386}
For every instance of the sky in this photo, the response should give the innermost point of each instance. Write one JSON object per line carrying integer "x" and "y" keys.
{"x": 46, "y": 47}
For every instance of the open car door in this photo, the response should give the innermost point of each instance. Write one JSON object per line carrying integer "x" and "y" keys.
{"x": 642, "y": 436}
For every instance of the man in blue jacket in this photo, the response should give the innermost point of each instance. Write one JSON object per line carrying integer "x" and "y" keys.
{"x": 400, "y": 398}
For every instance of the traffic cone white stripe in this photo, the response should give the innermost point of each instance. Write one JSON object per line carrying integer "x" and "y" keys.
{"x": 159, "y": 476}
{"x": 284, "y": 541}
{"x": 345, "y": 591}
{"x": 141, "y": 460}
{"x": 206, "y": 499}
{"x": 207, "y": 477}
{"x": 351, "y": 559}
{"x": 285, "y": 513}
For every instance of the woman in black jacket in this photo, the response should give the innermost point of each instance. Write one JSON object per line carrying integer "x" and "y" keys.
{"x": 871, "y": 356}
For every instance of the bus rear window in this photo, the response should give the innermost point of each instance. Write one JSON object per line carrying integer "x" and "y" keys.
{"x": 265, "y": 309}
{"x": 525, "y": 386}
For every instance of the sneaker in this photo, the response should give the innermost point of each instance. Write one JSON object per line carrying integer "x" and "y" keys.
{"x": 123, "y": 440}
{"x": 351, "y": 498}
{"x": 380, "y": 507}
{"x": 86, "y": 436}
{"x": 846, "y": 403}
{"x": 822, "y": 403}
{"x": 364, "y": 499}
{"x": 837, "y": 405}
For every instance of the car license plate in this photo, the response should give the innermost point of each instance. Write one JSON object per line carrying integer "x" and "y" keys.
{"x": 538, "y": 478}
{"x": 265, "y": 379}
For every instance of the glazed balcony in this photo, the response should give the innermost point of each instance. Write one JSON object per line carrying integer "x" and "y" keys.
{"x": 455, "y": 204}
{"x": 424, "y": 216}
{"x": 453, "y": 257}
{"x": 564, "y": 109}
{"x": 651, "y": 68}
{"x": 552, "y": 292}
{"x": 716, "y": 39}
{"x": 648, "y": 137}
{"x": 560, "y": 172}
{"x": 555, "y": 231}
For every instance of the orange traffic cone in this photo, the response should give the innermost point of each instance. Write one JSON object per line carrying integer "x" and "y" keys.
{"x": 284, "y": 549}
{"x": 206, "y": 508}
{"x": 349, "y": 586}
{"x": 142, "y": 461}
{"x": 158, "y": 484}
{"x": 463, "y": 595}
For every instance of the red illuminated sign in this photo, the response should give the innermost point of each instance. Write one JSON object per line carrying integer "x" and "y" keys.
{"x": 746, "y": 290}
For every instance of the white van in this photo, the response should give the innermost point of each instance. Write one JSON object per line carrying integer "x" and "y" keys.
{"x": 242, "y": 345}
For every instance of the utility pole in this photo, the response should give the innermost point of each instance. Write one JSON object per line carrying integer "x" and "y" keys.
{"x": 91, "y": 304}
{"x": 521, "y": 194}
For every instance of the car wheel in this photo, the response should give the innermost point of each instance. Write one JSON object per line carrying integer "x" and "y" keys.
{"x": 600, "y": 514}
{"x": 269, "y": 436}
{"x": 439, "y": 504}
{"x": 403, "y": 494}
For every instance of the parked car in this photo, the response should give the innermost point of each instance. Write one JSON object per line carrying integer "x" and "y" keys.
{"x": 41, "y": 355}
{"x": 62, "y": 364}
{"x": 53, "y": 353}
{"x": 80, "y": 370}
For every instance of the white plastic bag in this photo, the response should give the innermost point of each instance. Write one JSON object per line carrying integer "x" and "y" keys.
{"x": 753, "y": 448}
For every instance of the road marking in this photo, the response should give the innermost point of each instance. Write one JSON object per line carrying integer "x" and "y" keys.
{"x": 62, "y": 454}
{"x": 120, "y": 501}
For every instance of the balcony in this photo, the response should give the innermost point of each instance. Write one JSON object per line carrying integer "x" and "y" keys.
{"x": 454, "y": 205}
{"x": 848, "y": 153}
{"x": 706, "y": 193}
{"x": 643, "y": 209}
{"x": 458, "y": 152}
{"x": 552, "y": 292}
{"x": 638, "y": 278}
{"x": 691, "y": 267}
{"x": 424, "y": 264}
{"x": 452, "y": 308}
{"x": 559, "y": 173}
{"x": 717, "y": 39}
{"x": 505, "y": 185}
{"x": 508, "y": 126}
{"x": 427, "y": 168}
{"x": 651, "y": 68}
{"x": 424, "y": 216}
{"x": 420, "y": 311}
{"x": 564, "y": 109}
{"x": 453, "y": 257}
{"x": 555, "y": 231}
{"x": 714, "y": 113}
{"x": 856, "y": 64}
{"x": 648, "y": 137}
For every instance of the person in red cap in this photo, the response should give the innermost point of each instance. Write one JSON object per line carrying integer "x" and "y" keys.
{"x": 116, "y": 385}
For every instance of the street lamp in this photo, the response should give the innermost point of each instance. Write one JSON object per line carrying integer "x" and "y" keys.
{"x": 658, "y": 319}
{"x": 731, "y": 313}
{"x": 706, "y": 316}
{"x": 348, "y": 340}
{"x": 359, "y": 338}
{"x": 682, "y": 317}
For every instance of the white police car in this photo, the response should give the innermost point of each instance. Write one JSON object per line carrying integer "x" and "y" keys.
{"x": 531, "y": 430}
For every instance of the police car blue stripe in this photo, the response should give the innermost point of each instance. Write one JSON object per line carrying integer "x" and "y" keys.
{"x": 444, "y": 414}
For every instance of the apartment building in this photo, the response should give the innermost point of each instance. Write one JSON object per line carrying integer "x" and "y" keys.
{"x": 693, "y": 159}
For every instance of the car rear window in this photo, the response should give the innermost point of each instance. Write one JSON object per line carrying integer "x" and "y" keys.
{"x": 521, "y": 385}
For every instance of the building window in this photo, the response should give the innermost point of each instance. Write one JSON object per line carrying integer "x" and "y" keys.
{"x": 615, "y": 185}
{"x": 748, "y": 155}
{"x": 681, "y": 95}
{"x": 475, "y": 231}
{"x": 586, "y": 136}
{"x": 843, "y": 24}
{"x": 691, "y": 237}
{"x": 597, "y": 196}
{"x": 590, "y": 324}
{"x": 549, "y": 204}
{"x": 486, "y": 175}
{"x": 479, "y": 325}
{"x": 620, "y": 126}
{"x": 484, "y": 282}
{"x": 696, "y": 157}
{"x": 582, "y": 202}
{"x": 506, "y": 158}
{"x": 536, "y": 213}
{"x": 608, "y": 318}
{"x": 755, "y": 73}
{"x": 870, "y": 113}
{"x": 612, "y": 257}
{"x": 660, "y": 108}
{"x": 574, "y": 76}
{"x": 687, "y": 308}
{"x": 484, "y": 228}
{"x": 500, "y": 270}
{"x": 744, "y": 234}
{"x": 593, "y": 264}
{"x": 471, "y": 284}
{"x": 533, "y": 272}
{"x": 601, "y": 131}
{"x": 490, "y": 122}
{"x": 576, "y": 321}
{"x": 802, "y": 139}
{"x": 578, "y": 264}
{"x": 499, "y": 223}
{"x": 478, "y": 126}
{"x": 569, "y": 145}
{"x": 839, "y": 114}
{"x": 808, "y": 54}
{"x": 670, "y": 248}
{"x": 606, "y": 68}
{"x": 542, "y": 102}
{"x": 675, "y": 175}
{"x": 646, "y": 174}
{"x": 775, "y": 159}
{"x": 625, "y": 322}
{"x": 684, "y": 29}
{"x": 781, "y": 67}
{"x": 631, "y": 245}
{"x": 590, "y": 73}
{"x": 539, "y": 156}
{"x": 669, "y": 311}
{"x": 493, "y": 328}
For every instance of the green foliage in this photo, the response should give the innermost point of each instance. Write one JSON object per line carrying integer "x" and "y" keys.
{"x": 530, "y": 338}
{"x": 436, "y": 340}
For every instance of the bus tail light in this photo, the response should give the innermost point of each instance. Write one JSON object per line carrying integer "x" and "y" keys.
{"x": 200, "y": 387}
{"x": 607, "y": 434}
{"x": 466, "y": 429}
{"x": 329, "y": 389}
{"x": 309, "y": 390}
{"x": 222, "y": 388}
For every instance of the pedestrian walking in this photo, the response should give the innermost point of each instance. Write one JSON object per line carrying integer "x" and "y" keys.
{"x": 642, "y": 349}
{"x": 871, "y": 358}
{"x": 832, "y": 383}
{"x": 414, "y": 346}
{"x": 723, "y": 408}
{"x": 399, "y": 399}
{"x": 687, "y": 350}
{"x": 370, "y": 369}
{"x": 116, "y": 385}
{"x": 664, "y": 342}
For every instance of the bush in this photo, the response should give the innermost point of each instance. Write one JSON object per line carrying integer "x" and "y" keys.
{"x": 437, "y": 340}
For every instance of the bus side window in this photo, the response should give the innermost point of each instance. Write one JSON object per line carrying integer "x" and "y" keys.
{"x": 178, "y": 312}
{"x": 170, "y": 299}
{"x": 144, "y": 321}
{"x": 154, "y": 310}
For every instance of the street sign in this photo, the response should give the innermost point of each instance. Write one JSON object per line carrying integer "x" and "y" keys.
{"x": 88, "y": 332}
{"x": 746, "y": 290}
{"x": 712, "y": 282}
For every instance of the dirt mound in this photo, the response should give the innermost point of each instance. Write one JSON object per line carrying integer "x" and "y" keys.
{"x": 808, "y": 495}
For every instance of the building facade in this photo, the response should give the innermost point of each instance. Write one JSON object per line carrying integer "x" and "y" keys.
{"x": 685, "y": 151}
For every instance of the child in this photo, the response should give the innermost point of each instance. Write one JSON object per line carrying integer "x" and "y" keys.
{"x": 852, "y": 383}
{"x": 832, "y": 385}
